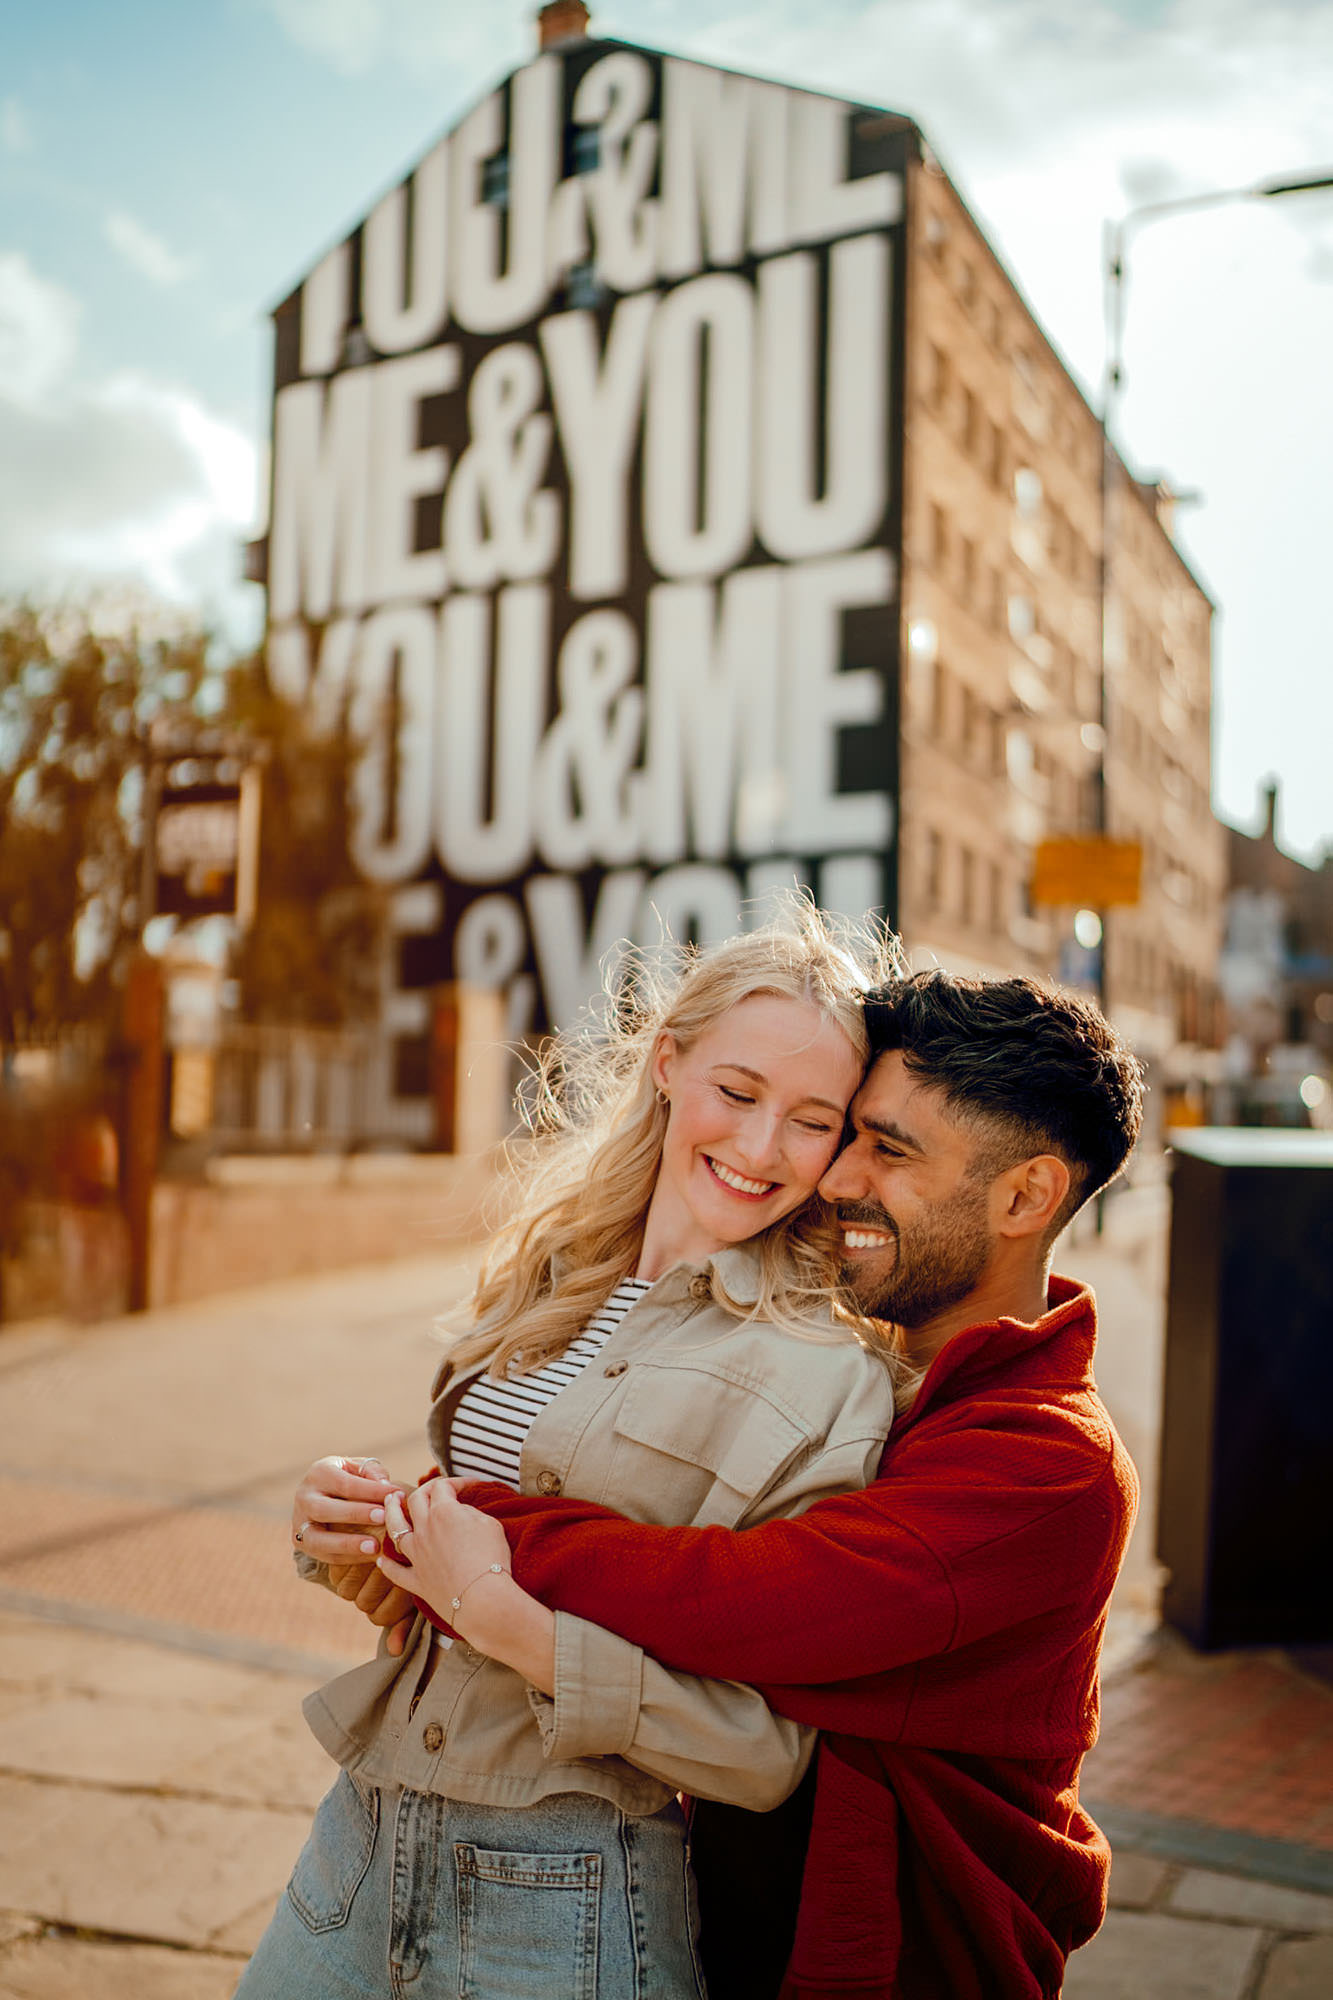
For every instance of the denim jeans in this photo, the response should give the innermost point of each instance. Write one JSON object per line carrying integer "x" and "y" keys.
{"x": 400, "y": 1893}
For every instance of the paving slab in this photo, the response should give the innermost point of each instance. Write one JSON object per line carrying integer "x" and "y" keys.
{"x": 1144, "y": 1956}
{"x": 55, "y": 1968}
{"x": 1202, "y": 1893}
{"x": 280, "y": 1765}
{"x": 1301, "y": 1969}
{"x": 36, "y": 1655}
{"x": 243, "y": 1933}
{"x": 1136, "y": 1880}
{"x": 140, "y": 1866}
{"x": 112, "y": 1741}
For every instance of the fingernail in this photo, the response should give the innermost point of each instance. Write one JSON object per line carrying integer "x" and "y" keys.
{"x": 369, "y": 1548}
{"x": 377, "y": 1513}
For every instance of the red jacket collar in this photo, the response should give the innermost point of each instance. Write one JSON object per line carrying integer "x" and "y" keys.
{"x": 963, "y": 1362}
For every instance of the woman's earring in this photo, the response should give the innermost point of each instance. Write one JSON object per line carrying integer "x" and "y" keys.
{"x": 662, "y": 1097}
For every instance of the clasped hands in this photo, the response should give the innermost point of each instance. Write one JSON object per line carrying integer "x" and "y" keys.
{"x": 345, "y": 1507}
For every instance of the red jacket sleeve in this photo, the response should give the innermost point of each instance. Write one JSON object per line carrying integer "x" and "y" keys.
{"x": 967, "y": 1531}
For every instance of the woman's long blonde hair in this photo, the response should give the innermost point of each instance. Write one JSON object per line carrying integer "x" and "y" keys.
{"x": 585, "y": 1179}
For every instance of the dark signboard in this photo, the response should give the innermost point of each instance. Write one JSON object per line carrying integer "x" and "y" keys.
{"x": 197, "y": 836}
{"x": 587, "y": 510}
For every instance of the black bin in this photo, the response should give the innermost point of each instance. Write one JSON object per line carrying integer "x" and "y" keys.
{"x": 1245, "y": 1509}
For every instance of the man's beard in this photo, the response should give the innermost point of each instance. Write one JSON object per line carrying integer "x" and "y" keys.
{"x": 939, "y": 1263}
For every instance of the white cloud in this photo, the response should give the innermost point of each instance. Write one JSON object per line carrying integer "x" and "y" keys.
{"x": 143, "y": 251}
{"x": 38, "y": 330}
{"x": 15, "y": 128}
{"x": 431, "y": 37}
{"x": 347, "y": 33}
{"x": 112, "y": 478}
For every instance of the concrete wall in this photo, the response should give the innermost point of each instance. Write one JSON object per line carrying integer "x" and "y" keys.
{"x": 254, "y": 1219}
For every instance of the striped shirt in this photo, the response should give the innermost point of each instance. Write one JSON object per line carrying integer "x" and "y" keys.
{"x": 492, "y": 1419}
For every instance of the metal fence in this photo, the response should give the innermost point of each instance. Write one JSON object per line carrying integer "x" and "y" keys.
{"x": 296, "y": 1088}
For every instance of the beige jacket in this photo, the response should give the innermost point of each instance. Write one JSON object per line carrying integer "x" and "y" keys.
{"x": 687, "y": 1416}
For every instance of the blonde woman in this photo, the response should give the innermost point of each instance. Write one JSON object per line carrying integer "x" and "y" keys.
{"x": 658, "y": 1329}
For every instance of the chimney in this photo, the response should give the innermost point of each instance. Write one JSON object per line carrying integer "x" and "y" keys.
{"x": 561, "y": 21}
{"x": 1270, "y": 811}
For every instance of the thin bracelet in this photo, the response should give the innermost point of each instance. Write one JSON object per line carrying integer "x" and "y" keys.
{"x": 495, "y": 1569}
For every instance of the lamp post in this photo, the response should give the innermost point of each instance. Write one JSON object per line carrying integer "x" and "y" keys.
{"x": 1117, "y": 237}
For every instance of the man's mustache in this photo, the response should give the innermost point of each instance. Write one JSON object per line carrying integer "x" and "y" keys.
{"x": 866, "y": 1215}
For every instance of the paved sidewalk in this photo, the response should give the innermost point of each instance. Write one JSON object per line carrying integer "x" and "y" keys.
{"x": 156, "y": 1778}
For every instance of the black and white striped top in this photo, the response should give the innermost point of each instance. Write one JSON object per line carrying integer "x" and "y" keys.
{"x": 492, "y": 1419}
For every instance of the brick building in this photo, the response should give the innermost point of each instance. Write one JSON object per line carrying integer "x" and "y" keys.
{"x": 1002, "y": 726}
{"x": 1276, "y": 974}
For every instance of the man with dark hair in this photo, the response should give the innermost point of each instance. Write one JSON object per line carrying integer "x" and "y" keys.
{"x": 942, "y": 1627}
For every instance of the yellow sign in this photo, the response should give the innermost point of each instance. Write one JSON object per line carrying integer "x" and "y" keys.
{"x": 1088, "y": 870}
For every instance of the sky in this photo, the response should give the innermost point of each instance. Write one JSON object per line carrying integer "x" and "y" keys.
{"x": 168, "y": 172}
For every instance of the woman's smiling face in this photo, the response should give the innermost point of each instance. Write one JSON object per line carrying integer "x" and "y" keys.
{"x": 756, "y": 1115}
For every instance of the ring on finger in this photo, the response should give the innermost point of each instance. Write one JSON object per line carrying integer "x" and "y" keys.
{"x": 299, "y": 1536}
{"x": 400, "y": 1538}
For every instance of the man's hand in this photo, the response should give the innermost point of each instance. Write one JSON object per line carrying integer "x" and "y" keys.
{"x": 367, "y": 1587}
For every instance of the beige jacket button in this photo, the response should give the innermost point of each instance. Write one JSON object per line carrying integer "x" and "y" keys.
{"x": 701, "y": 1285}
{"x": 615, "y": 1367}
{"x": 432, "y": 1736}
{"x": 548, "y": 1482}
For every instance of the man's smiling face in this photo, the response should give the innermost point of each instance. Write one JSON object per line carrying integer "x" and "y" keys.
{"x": 913, "y": 1205}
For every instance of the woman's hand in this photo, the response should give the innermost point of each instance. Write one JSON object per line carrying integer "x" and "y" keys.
{"x": 338, "y": 1511}
{"x": 443, "y": 1547}
{"x": 456, "y": 1559}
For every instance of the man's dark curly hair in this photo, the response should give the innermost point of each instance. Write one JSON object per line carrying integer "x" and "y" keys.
{"x": 1030, "y": 1069}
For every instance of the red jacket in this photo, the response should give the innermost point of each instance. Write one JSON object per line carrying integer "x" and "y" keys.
{"x": 942, "y": 1628}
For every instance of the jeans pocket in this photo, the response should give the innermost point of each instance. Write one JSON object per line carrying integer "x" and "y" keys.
{"x": 333, "y": 1862}
{"x": 528, "y": 1924}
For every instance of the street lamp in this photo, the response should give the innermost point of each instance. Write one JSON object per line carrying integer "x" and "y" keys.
{"x": 1117, "y": 237}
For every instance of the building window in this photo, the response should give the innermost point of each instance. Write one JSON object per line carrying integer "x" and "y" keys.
{"x": 999, "y": 753}
{"x": 967, "y": 567}
{"x": 1027, "y": 491}
{"x": 934, "y": 869}
{"x": 997, "y": 909}
{"x": 997, "y": 458}
{"x": 583, "y": 287}
{"x": 997, "y": 605}
{"x": 1022, "y": 618}
{"x": 971, "y": 423}
{"x": 939, "y": 536}
{"x": 967, "y": 870}
{"x": 941, "y": 379}
{"x": 495, "y": 181}
{"x": 967, "y": 722}
{"x": 939, "y": 699}
{"x": 583, "y": 147}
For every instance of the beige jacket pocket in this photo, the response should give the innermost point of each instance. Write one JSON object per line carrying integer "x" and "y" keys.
{"x": 708, "y": 1442}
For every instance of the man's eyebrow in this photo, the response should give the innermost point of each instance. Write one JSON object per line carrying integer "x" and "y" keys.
{"x": 887, "y": 1129}
{"x": 757, "y": 1076}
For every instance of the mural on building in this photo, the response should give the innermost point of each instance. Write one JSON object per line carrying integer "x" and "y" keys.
{"x": 586, "y": 505}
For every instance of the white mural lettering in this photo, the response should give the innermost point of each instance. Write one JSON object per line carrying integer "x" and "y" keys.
{"x": 697, "y": 428}
{"x": 597, "y": 401}
{"x": 392, "y": 702}
{"x": 399, "y": 311}
{"x": 497, "y": 288}
{"x": 490, "y": 718}
{"x": 498, "y": 524}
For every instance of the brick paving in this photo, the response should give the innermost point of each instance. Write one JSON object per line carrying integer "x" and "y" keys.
{"x": 1238, "y": 1741}
{"x": 216, "y": 1570}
